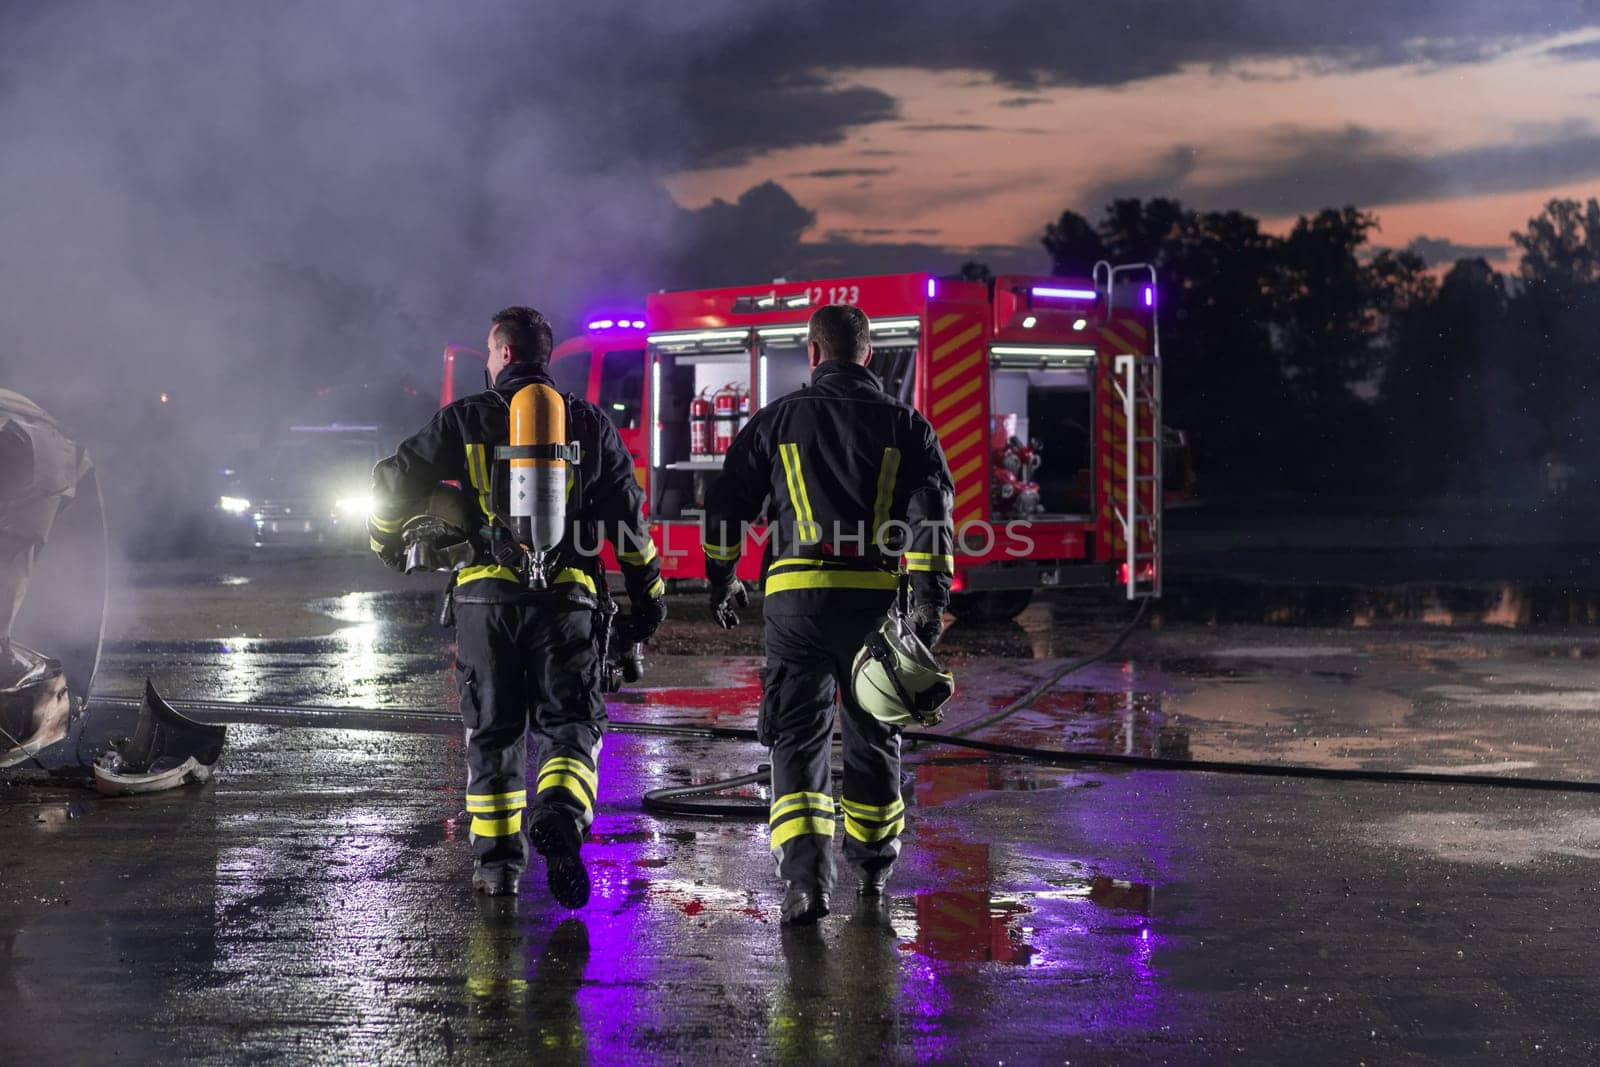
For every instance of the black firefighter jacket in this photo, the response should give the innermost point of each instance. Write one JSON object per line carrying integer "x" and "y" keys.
{"x": 603, "y": 498}
{"x": 850, "y": 479}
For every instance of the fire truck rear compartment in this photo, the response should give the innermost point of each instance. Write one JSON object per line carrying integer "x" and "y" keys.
{"x": 680, "y": 478}
{"x": 1056, "y": 408}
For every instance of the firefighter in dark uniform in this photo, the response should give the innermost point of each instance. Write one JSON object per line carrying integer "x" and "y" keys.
{"x": 527, "y": 658}
{"x": 850, "y": 480}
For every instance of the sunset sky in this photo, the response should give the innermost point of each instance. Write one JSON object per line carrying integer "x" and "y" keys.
{"x": 215, "y": 185}
{"x": 1452, "y": 147}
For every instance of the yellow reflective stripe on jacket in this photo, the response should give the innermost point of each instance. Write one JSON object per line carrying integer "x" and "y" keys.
{"x": 806, "y": 528}
{"x": 488, "y": 570}
{"x": 385, "y": 525}
{"x": 887, "y": 473}
{"x": 829, "y": 579}
{"x": 478, "y": 473}
{"x": 875, "y": 812}
{"x": 805, "y": 824}
{"x": 801, "y": 561}
{"x": 721, "y": 554}
{"x": 794, "y": 801}
{"x": 930, "y": 562}
{"x": 573, "y": 574}
{"x": 511, "y": 824}
{"x": 506, "y": 574}
{"x": 872, "y": 832}
{"x": 376, "y": 545}
{"x": 657, "y": 588}
{"x": 497, "y": 801}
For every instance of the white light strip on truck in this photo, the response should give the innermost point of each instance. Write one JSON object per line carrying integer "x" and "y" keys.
{"x": 655, "y": 413}
{"x": 689, "y": 337}
{"x": 1039, "y": 350}
{"x": 895, "y": 324}
{"x": 781, "y": 331}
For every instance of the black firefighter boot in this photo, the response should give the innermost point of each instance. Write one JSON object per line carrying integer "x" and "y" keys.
{"x": 555, "y": 837}
{"x": 803, "y": 905}
{"x": 496, "y": 881}
{"x": 874, "y": 879}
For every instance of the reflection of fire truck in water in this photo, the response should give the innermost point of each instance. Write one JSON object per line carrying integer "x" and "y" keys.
{"x": 1045, "y": 393}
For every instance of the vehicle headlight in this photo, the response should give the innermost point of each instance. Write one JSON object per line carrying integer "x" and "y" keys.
{"x": 355, "y": 506}
{"x": 233, "y": 505}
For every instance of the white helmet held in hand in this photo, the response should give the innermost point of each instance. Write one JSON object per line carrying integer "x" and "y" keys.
{"x": 896, "y": 680}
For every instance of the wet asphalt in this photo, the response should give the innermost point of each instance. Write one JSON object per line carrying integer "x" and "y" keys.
{"x": 312, "y": 903}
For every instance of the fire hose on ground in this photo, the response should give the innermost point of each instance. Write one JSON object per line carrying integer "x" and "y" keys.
{"x": 696, "y": 800}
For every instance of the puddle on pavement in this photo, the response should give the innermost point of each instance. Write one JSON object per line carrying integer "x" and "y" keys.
{"x": 1064, "y": 624}
{"x": 1504, "y": 605}
{"x": 986, "y": 926}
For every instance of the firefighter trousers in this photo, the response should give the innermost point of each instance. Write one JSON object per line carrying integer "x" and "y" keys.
{"x": 524, "y": 668}
{"x": 808, "y": 668}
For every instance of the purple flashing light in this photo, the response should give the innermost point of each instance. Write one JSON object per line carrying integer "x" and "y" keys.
{"x": 933, "y": 287}
{"x": 1064, "y": 294}
{"x": 615, "y": 324}
{"x": 1149, "y": 296}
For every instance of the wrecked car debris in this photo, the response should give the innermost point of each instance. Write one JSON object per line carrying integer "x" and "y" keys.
{"x": 166, "y": 750}
{"x": 36, "y": 707}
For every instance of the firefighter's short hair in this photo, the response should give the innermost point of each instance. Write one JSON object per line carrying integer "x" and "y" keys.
{"x": 527, "y": 332}
{"x": 842, "y": 331}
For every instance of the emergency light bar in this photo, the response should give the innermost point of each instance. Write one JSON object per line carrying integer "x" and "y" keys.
{"x": 1065, "y": 294}
{"x": 617, "y": 324}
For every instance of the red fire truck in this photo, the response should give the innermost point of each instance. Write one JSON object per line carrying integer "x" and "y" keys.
{"x": 1045, "y": 393}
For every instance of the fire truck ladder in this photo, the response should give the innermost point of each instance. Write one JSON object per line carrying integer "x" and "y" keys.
{"x": 1137, "y": 380}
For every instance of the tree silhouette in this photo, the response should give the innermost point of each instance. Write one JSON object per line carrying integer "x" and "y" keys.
{"x": 1073, "y": 244}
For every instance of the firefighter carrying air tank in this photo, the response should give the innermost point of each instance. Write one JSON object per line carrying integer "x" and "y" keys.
{"x": 543, "y": 471}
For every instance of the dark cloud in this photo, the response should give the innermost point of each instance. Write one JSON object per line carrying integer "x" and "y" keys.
{"x": 735, "y": 120}
{"x": 844, "y": 172}
{"x": 763, "y": 235}
{"x": 1577, "y": 52}
{"x": 946, "y": 127}
{"x": 1437, "y": 251}
{"x": 1304, "y": 170}
{"x": 841, "y": 258}
{"x": 1024, "y": 101}
{"x": 1028, "y": 44}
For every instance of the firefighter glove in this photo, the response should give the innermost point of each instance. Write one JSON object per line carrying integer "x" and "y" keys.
{"x": 726, "y": 597}
{"x": 644, "y": 620}
{"x": 927, "y": 622}
{"x": 389, "y": 548}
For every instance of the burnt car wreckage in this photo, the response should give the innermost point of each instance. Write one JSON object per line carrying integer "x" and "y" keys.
{"x": 53, "y": 545}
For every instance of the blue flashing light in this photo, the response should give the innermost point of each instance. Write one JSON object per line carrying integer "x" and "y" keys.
{"x": 1064, "y": 294}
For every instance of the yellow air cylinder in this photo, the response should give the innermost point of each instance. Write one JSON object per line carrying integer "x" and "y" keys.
{"x": 538, "y": 486}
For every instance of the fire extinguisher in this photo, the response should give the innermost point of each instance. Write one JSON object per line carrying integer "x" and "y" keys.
{"x": 700, "y": 427}
{"x": 744, "y": 409}
{"x": 725, "y": 412}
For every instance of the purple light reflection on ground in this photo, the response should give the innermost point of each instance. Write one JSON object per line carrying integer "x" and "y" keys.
{"x": 923, "y": 1004}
